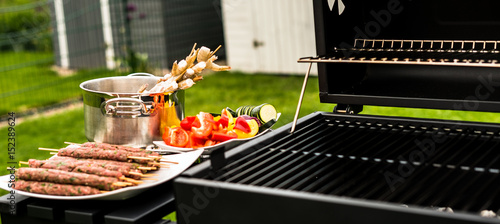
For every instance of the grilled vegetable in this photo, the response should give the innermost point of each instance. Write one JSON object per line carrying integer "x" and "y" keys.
{"x": 264, "y": 112}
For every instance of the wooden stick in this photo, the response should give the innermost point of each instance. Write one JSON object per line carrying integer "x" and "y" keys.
{"x": 146, "y": 168}
{"x": 48, "y": 149}
{"x": 104, "y": 192}
{"x": 71, "y": 143}
{"x": 167, "y": 161}
{"x": 150, "y": 175}
{"x": 53, "y": 153}
{"x": 148, "y": 178}
{"x": 136, "y": 182}
{"x": 137, "y": 157}
{"x": 158, "y": 164}
{"x": 213, "y": 52}
{"x": 121, "y": 184}
{"x": 24, "y": 163}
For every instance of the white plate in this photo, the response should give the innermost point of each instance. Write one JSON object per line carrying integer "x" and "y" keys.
{"x": 164, "y": 174}
{"x": 230, "y": 143}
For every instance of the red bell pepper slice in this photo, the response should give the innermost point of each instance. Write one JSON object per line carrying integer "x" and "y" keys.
{"x": 210, "y": 142}
{"x": 195, "y": 142}
{"x": 187, "y": 122}
{"x": 205, "y": 125}
{"x": 224, "y": 121}
{"x": 241, "y": 124}
{"x": 177, "y": 137}
{"x": 222, "y": 137}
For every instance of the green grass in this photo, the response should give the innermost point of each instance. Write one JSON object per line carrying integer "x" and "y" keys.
{"x": 27, "y": 81}
{"x": 215, "y": 92}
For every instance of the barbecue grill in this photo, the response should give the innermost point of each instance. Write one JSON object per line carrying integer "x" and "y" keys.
{"x": 344, "y": 167}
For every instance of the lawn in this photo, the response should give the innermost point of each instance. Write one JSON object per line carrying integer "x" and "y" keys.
{"x": 216, "y": 91}
{"x": 27, "y": 81}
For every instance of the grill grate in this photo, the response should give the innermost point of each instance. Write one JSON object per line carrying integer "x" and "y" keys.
{"x": 420, "y": 52}
{"x": 410, "y": 164}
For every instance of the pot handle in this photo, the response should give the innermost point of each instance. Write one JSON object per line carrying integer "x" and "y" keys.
{"x": 124, "y": 106}
{"x": 141, "y": 74}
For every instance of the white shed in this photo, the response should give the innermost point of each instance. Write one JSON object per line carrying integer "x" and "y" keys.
{"x": 269, "y": 35}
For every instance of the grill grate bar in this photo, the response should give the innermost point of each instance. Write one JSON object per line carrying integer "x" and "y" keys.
{"x": 253, "y": 159}
{"x": 434, "y": 185}
{"x": 281, "y": 158}
{"x": 352, "y": 158}
{"x": 408, "y": 190}
{"x": 366, "y": 138}
{"x": 485, "y": 179}
{"x": 285, "y": 172}
{"x": 374, "y": 189}
{"x": 360, "y": 149}
{"x": 313, "y": 174}
{"x": 491, "y": 199}
{"x": 415, "y": 52}
{"x": 306, "y": 146}
{"x": 305, "y": 173}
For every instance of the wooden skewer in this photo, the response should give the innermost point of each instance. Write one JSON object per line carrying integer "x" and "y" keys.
{"x": 146, "y": 168}
{"x": 167, "y": 161}
{"x": 24, "y": 163}
{"x": 148, "y": 178}
{"x": 48, "y": 149}
{"x": 104, "y": 192}
{"x": 136, "y": 173}
{"x": 136, "y": 182}
{"x": 150, "y": 175}
{"x": 142, "y": 174}
{"x": 122, "y": 184}
{"x": 213, "y": 52}
{"x": 138, "y": 157}
{"x": 53, "y": 153}
{"x": 158, "y": 164}
{"x": 71, "y": 143}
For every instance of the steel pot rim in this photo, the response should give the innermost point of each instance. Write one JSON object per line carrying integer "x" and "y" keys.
{"x": 119, "y": 94}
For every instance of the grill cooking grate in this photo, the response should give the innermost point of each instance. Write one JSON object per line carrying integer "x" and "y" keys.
{"x": 420, "y": 52}
{"x": 409, "y": 164}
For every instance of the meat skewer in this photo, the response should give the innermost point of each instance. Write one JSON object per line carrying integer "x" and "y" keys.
{"x": 113, "y": 147}
{"x": 116, "y": 155}
{"x": 97, "y": 153}
{"x": 54, "y": 189}
{"x": 64, "y": 177}
{"x": 99, "y": 167}
{"x": 107, "y": 163}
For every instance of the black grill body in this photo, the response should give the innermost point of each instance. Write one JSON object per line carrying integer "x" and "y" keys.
{"x": 342, "y": 167}
{"x": 351, "y": 169}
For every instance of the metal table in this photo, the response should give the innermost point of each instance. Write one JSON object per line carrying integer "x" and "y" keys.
{"x": 148, "y": 207}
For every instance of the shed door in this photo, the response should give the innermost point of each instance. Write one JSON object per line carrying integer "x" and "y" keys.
{"x": 269, "y": 36}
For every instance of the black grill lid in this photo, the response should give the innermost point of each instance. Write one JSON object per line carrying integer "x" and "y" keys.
{"x": 419, "y": 54}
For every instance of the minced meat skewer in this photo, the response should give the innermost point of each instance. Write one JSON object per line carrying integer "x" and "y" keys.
{"x": 54, "y": 189}
{"x": 64, "y": 177}
{"x": 96, "y": 153}
{"x": 89, "y": 166}
{"x": 115, "y": 147}
{"x": 101, "y": 162}
{"x": 110, "y": 164}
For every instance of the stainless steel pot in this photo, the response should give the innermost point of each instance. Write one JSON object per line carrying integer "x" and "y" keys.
{"x": 115, "y": 113}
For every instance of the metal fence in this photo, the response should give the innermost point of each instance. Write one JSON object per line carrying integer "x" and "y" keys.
{"x": 49, "y": 47}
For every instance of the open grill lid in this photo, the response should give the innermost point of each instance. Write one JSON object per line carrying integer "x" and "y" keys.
{"x": 419, "y": 54}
